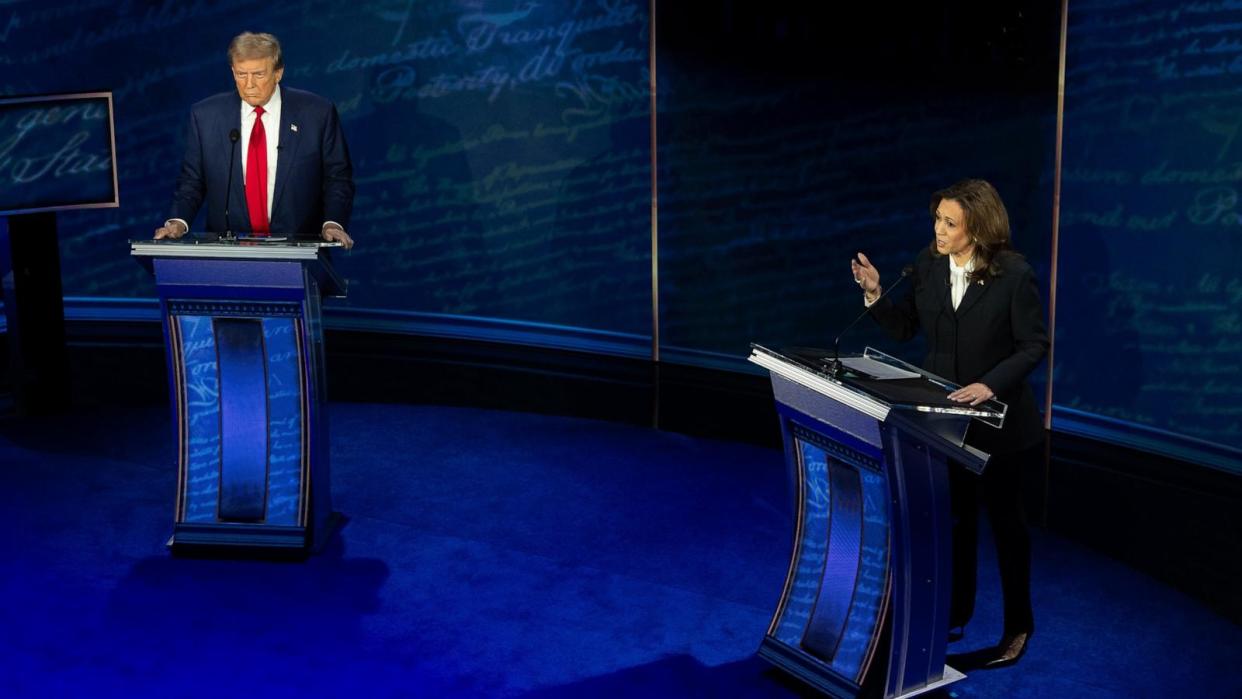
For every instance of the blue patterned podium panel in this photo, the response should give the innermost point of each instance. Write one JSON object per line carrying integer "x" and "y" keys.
{"x": 242, "y": 413}
{"x": 833, "y": 606}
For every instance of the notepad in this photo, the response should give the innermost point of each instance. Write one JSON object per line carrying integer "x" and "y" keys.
{"x": 866, "y": 366}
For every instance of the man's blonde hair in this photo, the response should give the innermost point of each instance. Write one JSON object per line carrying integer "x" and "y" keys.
{"x": 249, "y": 45}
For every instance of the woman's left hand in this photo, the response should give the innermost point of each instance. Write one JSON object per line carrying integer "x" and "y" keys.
{"x": 974, "y": 394}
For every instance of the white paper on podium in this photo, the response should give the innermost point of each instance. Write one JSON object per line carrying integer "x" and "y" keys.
{"x": 867, "y": 366}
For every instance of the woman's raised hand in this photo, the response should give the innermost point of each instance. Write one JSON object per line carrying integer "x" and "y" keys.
{"x": 867, "y": 277}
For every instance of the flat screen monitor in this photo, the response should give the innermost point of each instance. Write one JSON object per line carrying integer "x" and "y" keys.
{"x": 57, "y": 152}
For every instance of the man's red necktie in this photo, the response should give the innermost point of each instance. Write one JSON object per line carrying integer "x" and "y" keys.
{"x": 256, "y": 177}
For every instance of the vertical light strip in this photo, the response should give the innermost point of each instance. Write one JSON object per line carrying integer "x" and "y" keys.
{"x": 1056, "y": 217}
{"x": 1056, "y": 250}
{"x": 177, "y": 369}
{"x": 655, "y": 195}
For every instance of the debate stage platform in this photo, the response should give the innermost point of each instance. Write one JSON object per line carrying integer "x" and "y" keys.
{"x": 498, "y": 554}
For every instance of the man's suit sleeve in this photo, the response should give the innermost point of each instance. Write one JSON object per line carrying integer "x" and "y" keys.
{"x": 338, "y": 173}
{"x": 1030, "y": 337}
{"x": 191, "y": 185}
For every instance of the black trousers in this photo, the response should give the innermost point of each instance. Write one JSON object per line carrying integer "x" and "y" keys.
{"x": 1000, "y": 491}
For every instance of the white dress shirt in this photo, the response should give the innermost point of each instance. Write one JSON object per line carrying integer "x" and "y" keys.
{"x": 957, "y": 279}
{"x": 271, "y": 128}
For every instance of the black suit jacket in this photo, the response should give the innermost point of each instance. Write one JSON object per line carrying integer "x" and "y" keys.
{"x": 996, "y": 336}
{"x": 314, "y": 176}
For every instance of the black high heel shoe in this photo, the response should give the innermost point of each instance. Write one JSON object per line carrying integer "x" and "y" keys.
{"x": 1009, "y": 651}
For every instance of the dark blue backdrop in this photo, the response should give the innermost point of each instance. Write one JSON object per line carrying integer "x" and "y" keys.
{"x": 501, "y": 148}
{"x": 791, "y": 138}
{"x": 1149, "y": 335}
{"x": 503, "y": 157}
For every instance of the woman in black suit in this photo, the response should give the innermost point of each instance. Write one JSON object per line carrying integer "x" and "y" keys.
{"x": 977, "y": 302}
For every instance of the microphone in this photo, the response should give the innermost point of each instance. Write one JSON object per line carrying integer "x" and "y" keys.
{"x": 234, "y": 135}
{"x": 835, "y": 364}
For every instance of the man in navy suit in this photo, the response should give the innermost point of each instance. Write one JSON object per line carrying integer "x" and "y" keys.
{"x": 291, "y": 176}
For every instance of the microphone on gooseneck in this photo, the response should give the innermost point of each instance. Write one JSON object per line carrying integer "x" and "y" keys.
{"x": 835, "y": 366}
{"x": 234, "y": 135}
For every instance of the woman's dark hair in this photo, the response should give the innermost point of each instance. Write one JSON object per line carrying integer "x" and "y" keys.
{"x": 987, "y": 224}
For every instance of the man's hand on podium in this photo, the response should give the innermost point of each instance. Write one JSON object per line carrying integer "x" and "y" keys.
{"x": 334, "y": 233}
{"x": 171, "y": 229}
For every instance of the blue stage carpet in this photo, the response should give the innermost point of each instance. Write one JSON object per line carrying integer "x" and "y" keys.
{"x": 493, "y": 554}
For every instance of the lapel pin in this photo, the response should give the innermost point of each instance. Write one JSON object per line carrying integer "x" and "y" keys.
{"x": 293, "y": 127}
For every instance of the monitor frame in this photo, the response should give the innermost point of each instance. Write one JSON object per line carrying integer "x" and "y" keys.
{"x": 116, "y": 190}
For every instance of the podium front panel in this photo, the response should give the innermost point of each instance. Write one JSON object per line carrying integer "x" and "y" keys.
{"x": 864, "y": 608}
{"x": 247, "y": 381}
{"x": 242, "y": 407}
{"x": 838, "y": 582}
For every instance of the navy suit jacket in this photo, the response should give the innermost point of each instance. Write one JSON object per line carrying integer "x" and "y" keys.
{"x": 995, "y": 336}
{"x": 314, "y": 177}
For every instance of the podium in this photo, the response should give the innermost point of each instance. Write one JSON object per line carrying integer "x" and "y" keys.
{"x": 244, "y": 346}
{"x": 865, "y": 606}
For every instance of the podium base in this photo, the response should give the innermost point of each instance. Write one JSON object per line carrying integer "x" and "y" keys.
{"x": 237, "y": 535}
{"x": 223, "y": 537}
{"x": 950, "y": 676}
{"x": 817, "y": 674}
